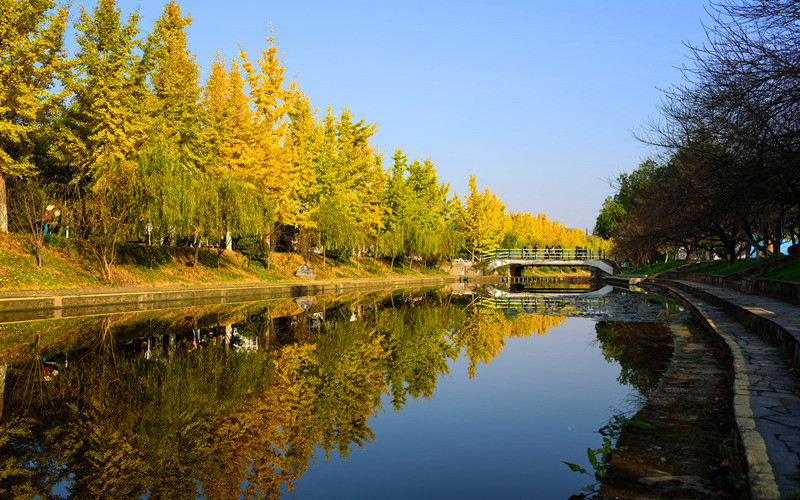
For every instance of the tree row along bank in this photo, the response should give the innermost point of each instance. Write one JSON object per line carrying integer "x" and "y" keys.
{"x": 121, "y": 141}
{"x": 726, "y": 178}
{"x": 70, "y": 265}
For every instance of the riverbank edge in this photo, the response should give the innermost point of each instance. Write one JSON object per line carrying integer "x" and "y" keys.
{"x": 60, "y": 299}
{"x": 761, "y": 477}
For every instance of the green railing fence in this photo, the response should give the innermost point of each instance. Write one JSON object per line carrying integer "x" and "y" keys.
{"x": 542, "y": 254}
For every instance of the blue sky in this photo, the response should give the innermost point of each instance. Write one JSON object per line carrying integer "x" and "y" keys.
{"x": 536, "y": 99}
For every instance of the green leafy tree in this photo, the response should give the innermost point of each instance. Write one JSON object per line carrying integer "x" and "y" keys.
{"x": 351, "y": 180}
{"x": 609, "y": 219}
{"x": 395, "y": 197}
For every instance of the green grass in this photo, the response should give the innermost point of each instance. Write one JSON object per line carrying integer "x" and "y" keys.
{"x": 657, "y": 267}
{"x": 787, "y": 272}
{"x": 722, "y": 268}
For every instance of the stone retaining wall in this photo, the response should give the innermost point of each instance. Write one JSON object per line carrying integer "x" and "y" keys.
{"x": 760, "y": 324}
{"x": 787, "y": 291}
{"x": 46, "y": 305}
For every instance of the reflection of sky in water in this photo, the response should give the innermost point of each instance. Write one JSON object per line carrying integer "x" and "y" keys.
{"x": 502, "y": 434}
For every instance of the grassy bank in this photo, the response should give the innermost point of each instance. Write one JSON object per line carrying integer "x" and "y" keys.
{"x": 790, "y": 271}
{"x": 657, "y": 267}
{"x": 68, "y": 264}
{"x": 722, "y": 268}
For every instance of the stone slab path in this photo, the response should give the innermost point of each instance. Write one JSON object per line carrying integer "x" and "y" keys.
{"x": 766, "y": 392}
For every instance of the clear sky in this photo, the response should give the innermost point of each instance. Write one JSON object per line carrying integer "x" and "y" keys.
{"x": 537, "y": 99}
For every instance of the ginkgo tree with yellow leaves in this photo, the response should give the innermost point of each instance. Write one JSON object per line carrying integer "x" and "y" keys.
{"x": 268, "y": 167}
{"x": 239, "y": 208}
{"x": 481, "y": 219}
{"x": 31, "y": 62}
{"x": 173, "y": 165}
{"x": 104, "y": 128}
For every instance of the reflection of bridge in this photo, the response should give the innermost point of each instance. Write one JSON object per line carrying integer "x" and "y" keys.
{"x": 494, "y": 292}
{"x": 564, "y": 303}
{"x": 519, "y": 258}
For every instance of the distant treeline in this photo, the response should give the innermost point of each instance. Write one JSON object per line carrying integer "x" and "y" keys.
{"x": 120, "y": 140}
{"x": 729, "y": 179}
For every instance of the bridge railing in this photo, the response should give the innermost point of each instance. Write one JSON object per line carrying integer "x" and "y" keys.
{"x": 578, "y": 303}
{"x": 542, "y": 254}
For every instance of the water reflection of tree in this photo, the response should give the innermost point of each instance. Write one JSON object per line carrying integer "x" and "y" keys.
{"x": 642, "y": 349}
{"x": 417, "y": 346}
{"x": 485, "y": 329}
{"x": 223, "y": 422}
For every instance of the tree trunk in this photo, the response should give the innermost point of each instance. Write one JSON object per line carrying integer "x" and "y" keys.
{"x": 3, "y": 205}
{"x": 221, "y": 249}
{"x": 106, "y": 266}
{"x": 3, "y": 369}
{"x": 730, "y": 249}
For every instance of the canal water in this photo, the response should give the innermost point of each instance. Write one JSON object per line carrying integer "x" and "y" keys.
{"x": 433, "y": 393}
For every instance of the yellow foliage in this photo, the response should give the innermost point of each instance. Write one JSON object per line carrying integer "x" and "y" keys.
{"x": 228, "y": 119}
{"x": 539, "y": 230}
{"x": 481, "y": 219}
{"x": 31, "y": 58}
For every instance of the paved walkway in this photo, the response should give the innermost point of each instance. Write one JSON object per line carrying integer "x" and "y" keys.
{"x": 766, "y": 399}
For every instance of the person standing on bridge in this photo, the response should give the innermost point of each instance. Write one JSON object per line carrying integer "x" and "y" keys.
{"x": 525, "y": 251}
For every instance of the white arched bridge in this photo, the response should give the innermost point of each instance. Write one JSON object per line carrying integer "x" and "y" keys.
{"x": 518, "y": 258}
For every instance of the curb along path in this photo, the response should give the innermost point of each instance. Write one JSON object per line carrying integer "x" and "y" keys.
{"x": 766, "y": 402}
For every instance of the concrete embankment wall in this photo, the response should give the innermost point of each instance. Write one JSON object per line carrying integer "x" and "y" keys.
{"x": 761, "y": 324}
{"x": 59, "y": 304}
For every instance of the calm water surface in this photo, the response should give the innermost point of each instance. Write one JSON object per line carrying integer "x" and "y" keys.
{"x": 394, "y": 394}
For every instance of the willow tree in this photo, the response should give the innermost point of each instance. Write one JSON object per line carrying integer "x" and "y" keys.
{"x": 351, "y": 180}
{"x": 428, "y": 209}
{"x": 31, "y": 60}
{"x": 104, "y": 127}
{"x": 228, "y": 128}
{"x": 417, "y": 208}
{"x": 395, "y": 196}
{"x": 175, "y": 117}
